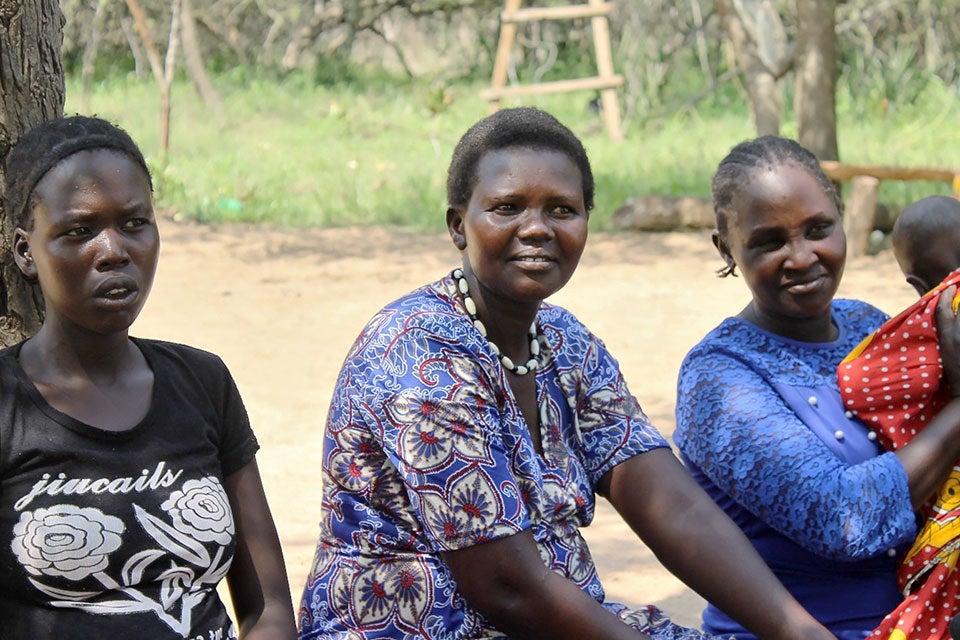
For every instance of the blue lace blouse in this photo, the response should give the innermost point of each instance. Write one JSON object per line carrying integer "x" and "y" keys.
{"x": 761, "y": 426}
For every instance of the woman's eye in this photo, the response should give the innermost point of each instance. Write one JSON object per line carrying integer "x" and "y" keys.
{"x": 506, "y": 207}
{"x": 77, "y": 231}
{"x": 821, "y": 230}
{"x": 563, "y": 212}
{"x": 766, "y": 244}
{"x": 133, "y": 223}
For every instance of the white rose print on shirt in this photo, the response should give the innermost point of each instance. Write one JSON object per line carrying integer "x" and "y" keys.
{"x": 201, "y": 510}
{"x": 66, "y": 541}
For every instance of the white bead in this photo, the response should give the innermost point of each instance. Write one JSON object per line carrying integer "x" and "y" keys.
{"x": 838, "y": 434}
{"x": 871, "y": 435}
{"x": 521, "y": 370}
{"x": 849, "y": 415}
{"x": 463, "y": 286}
{"x": 507, "y": 362}
{"x": 812, "y": 400}
{"x": 534, "y": 347}
{"x": 458, "y": 273}
{"x": 495, "y": 348}
{"x": 891, "y": 552}
{"x": 470, "y": 305}
{"x": 482, "y": 329}
{"x": 531, "y": 364}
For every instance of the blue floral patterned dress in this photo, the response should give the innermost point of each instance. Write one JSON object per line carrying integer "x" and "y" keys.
{"x": 761, "y": 426}
{"x": 427, "y": 451}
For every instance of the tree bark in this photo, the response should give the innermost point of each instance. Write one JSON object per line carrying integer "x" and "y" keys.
{"x": 31, "y": 91}
{"x": 193, "y": 61}
{"x": 162, "y": 70}
{"x": 760, "y": 49}
{"x": 861, "y": 211}
{"x": 816, "y": 83}
{"x": 89, "y": 60}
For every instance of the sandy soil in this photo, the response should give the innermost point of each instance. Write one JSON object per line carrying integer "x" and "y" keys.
{"x": 282, "y": 307}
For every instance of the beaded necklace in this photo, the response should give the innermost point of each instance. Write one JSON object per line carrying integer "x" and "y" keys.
{"x": 471, "y": 307}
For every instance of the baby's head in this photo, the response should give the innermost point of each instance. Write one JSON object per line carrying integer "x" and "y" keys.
{"x": 926, "y": 241}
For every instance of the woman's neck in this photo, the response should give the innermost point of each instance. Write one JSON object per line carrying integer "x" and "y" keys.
{"x": 819, "y": 328}
{"x": 57, "y": 352}
{"x": 507, "y": 321}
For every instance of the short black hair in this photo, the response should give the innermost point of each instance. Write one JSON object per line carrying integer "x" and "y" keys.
{"x": 46, "y": 145}
{"x": 924, "y": 238}
{"x": 526, "y": 127}
{"x": 765, "y": 152}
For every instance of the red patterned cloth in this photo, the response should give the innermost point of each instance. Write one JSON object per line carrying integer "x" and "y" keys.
{"x": 892, "y": 382}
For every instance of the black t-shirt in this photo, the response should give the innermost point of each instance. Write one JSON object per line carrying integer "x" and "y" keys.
{"x": 120, "y": 534}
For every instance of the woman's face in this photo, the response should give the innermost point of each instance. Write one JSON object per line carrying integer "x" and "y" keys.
{"x": 787, "y": 238}
{"x": 524, "y": 228}
{"x": 92, "y": 241}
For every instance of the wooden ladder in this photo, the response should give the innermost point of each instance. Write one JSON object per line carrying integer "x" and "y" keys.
{"x": 606, "y": 81}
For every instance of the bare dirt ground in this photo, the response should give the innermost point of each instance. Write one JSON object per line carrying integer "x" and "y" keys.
{"x": 283, "y": 306}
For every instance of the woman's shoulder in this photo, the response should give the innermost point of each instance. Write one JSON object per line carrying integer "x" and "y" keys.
{"x": 857, "y": 315}
{"x": 731, "y": 333}
{"x": 429, "y": 298}
{"x": 157, "y": 351}
{"x": 570, "y": 332}
{"x": 554, "y": 315}
{"x": 431, "y": 312}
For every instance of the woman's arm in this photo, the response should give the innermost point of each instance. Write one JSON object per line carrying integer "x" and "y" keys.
{"x": 698, "y": 543}
{"x": 257, "y": 578}
{"x": 508, "y": 583}
{"x": 735, "y": 427}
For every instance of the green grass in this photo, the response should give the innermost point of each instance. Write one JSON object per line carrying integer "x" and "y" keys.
{"x": 373, "y": 151}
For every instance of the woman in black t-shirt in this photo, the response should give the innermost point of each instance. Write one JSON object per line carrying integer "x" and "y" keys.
{"x": 128, "y": 481}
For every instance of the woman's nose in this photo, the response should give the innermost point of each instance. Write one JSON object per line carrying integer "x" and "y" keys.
{"x": 535, "y": 225}
{"x": 111, "y": 249}
{"x": 801, "y": 255}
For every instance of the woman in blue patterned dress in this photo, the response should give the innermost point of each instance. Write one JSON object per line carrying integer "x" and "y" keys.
{"x": 760, "y": 422}
{"x": 473, "y": 425}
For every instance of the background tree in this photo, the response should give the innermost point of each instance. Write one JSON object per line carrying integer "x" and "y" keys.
{"x": 816, "y": 84}
{"x": 31, "y": 91}
{"x": 760, "y": 48}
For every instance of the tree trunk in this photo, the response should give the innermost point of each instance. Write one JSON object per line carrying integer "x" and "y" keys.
{"x": 162, "y": 70}
{"x": 760, "y": 49}
{"x": 193, "y": 61}
{"x": 815, "y": 98}
{"x": 88, "y": 68}
{"x": 31, "y": 91}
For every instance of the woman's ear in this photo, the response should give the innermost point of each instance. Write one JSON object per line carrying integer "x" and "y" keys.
{"x": 722, "y": 248}
{"x": 21, "y": 254}
{"x": 455, "y": 227}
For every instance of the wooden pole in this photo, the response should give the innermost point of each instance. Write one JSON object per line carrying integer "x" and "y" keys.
{"x": 860, "y": 212}
{"x": 508, "y": 33}
{"x": 845, "y": 172}
{"x": 608, "y": 97}
{"x": 606, "y": 81}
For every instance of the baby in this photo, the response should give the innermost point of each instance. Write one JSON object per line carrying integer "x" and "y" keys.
{"x": 893, "y": 381}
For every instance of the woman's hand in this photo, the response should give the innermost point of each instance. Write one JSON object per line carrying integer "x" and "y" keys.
{"x": 258, "y": 577}
{"x": 948, "y": 334}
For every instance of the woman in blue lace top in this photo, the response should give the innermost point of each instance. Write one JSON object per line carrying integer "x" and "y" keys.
{"x": 760, "y": 422}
